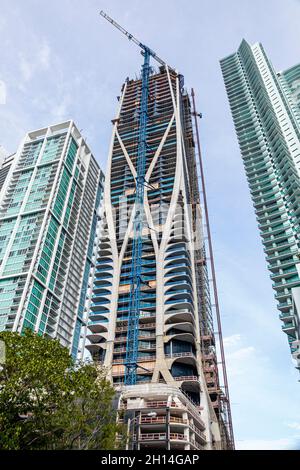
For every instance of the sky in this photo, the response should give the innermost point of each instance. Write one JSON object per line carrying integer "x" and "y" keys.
{"x": 60, "y": 60}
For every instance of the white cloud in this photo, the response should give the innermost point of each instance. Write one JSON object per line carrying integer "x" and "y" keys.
{"x": 241, "y": 355}
{"x": 232, "y": 340}
{"x": 60, "y": 110}
{"x": 276, "y": 444}
{"x": 44, "y": 55}
{"x": 238, "y": 354}
{"x": 27, "y": 69}
{"x": 3, "y": 92}
{"x": 3, "y": 153}
{"x": 2, "y": 23}
{"x": 40, "y": 59}
{"x": 294, "y": 425}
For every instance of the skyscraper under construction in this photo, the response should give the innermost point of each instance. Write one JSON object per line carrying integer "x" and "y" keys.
{"x": 150, "y": 314}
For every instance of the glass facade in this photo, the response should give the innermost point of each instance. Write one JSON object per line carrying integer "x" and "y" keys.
{"x": 265, "y": 110}
{"x": 47, "y": 206}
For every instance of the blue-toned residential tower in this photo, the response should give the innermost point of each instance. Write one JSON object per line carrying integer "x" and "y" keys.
{"x": 265, "y": 110}
{"x": 49, "y": 208}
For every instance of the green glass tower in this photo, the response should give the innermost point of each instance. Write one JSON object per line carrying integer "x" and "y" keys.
{"x": 265, "y": 107}
{"x": 51, "y": 190}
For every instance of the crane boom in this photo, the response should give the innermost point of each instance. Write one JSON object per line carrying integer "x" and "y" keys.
{"x": 132, "y": 38}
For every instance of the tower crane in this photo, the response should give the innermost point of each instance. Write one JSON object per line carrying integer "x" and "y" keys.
{"x": 131, "y": 359}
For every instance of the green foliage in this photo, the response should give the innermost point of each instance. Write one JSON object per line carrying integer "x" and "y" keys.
{"x": 49, "y": 402}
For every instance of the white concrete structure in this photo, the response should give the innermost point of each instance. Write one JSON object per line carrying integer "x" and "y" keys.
{"x": 169, "y": 350}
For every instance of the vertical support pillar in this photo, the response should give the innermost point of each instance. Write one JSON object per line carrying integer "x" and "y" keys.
{"x": 134, "y": 432}
{"x": 138, "y": 435}
{"x": 168, "y": 443}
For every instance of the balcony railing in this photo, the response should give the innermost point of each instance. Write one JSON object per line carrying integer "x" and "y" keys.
{"x": 288, "y": 326}
{"x": 181, "y": 354}
{"x": 197, "y": 431}
{"x": 139, "y": 359}
{"x": 161, "y": 404}
{"x": 190, "y": 378}
{"x": 145, "y": 326}
{"x": 161, "y": 437}
{"x": 162, "y": 420}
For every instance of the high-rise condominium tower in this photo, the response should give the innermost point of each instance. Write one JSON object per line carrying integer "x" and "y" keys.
{"x": 48, "y": 214}
{"x": 265, "y": 109}
{"x": 173, "y": 397}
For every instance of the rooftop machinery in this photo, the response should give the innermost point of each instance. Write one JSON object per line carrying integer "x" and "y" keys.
{"x": 137, "y": 242}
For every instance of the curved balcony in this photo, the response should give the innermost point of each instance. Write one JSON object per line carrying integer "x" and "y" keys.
{"x": 96, "y": 338}
{"x": 104, "y": 252}
{"x": 184, "y": 327}
{"x": 175, "y": 246}
{"x": 98, "y": 317}
{"x": 187, "y": 358}
{"x": 177, "y": 234}
{"x": 104, "y": 244}
{"x": 179, "y": 294}
{"x": 177, "y": 260}
{"x": 179, "y": 316}
{"x": 100, "y": 299}
{"x": 104, "y": 259}
{"x": 103, "y": 268}
{"x": 98, "y": 308}
{"x": 100, "y": 277}
{"x": 181, "y": 303}
{"x": 179, "y": 279}
{"x": 97, "y": 326}
{"x": 181, "y": 269}
{"x": 180, "y": 290}
{"x": 178, "y": 273}
{"x": 177, "y": 255}
{"x": 186, "y": 337}
{"x": 101, "y": 290}
{"x": 191, "y": 386}
{"x": 95, "y": 348}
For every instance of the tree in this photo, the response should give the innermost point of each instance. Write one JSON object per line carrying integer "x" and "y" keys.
{"x": 47, "y": 401}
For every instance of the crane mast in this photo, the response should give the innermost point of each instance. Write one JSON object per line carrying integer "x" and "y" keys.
{"x": 131, "y": 360}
